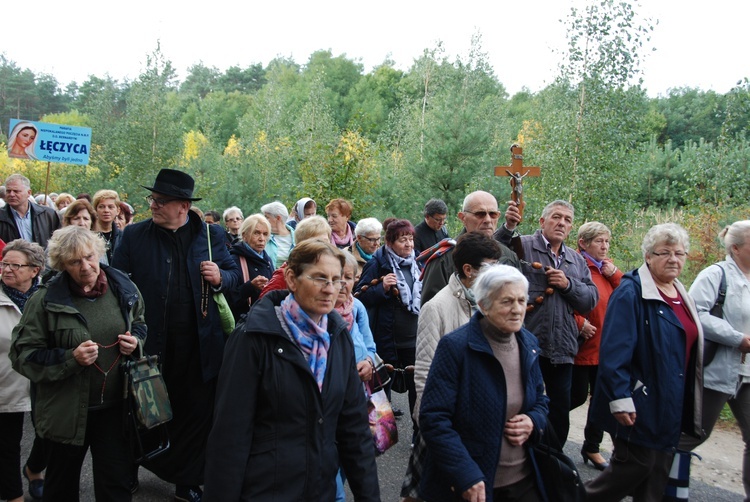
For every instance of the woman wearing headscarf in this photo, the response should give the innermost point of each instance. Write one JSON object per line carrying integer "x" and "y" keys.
{"x": 70, "y": 340}
{"x": 650, "y": 382}
{"x": 390, "y": 288}
{"x": 20, "y": 267}
{"x": 289, "y": 404}
{"x": 304, "y": 208}
{"x": 21, "y": 141}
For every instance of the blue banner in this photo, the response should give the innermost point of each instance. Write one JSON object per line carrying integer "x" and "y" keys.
{"x": 49, "y": 142}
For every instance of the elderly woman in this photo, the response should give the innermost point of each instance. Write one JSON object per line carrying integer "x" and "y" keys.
{"x": 80, "y": 213}
{"x": 20, "y": 267}
{"x": 339, "y": 212}
{"x": 289, "y": 403}
{"x": 282, "y": 235}
{"x": 257, "y": 267}
{"x": 650, "y": 379}
{"x": 450, "y": 309}
{"x": 303, "y": 208}
{"x": 233, "y": 219}
{"x": 63, "y": 200}
{"x": 483, "y": 401}
{"x": 390, "y": 288}
{"x": 70, "y": 341}
{"x": 727, "y": 375}
{"x": 593, "y": 244}
{"x": 368, "y": 238}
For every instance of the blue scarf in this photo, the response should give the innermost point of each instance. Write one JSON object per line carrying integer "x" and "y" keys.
{"x": 364, "y": 255}
{"x": 20, "y": 298}
{"x": 599, "y": 264}
{"x": 312, "y": 338}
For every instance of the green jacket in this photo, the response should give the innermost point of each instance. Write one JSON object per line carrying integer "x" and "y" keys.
{"x": 42, "y": 351}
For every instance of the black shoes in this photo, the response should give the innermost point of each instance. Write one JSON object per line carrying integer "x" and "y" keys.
{"x": 397, "y": 412}
{"x": 184, "y": 493}
{"x": 36, "y": 486}
{"x": 589, "y": 457}
{"x": 134, "y": 483}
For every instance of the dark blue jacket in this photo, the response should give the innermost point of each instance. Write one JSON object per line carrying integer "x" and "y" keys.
{"x": 642, "y": 366}
{"x": 381, "y": 306}
{"x": 144, "y": 253}
{"x": 462, "y": 416}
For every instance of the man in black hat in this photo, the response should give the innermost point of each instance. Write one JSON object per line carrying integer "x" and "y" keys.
{"x": 167, "y": 257}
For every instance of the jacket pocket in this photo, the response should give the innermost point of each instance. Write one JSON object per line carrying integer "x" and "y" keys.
{"x": 57, "y": 409}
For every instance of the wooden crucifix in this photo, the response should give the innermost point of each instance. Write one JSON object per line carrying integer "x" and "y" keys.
{"x": 517, "y": 172}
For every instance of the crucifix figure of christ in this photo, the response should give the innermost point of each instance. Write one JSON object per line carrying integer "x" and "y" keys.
{"x": 517, "y": 172}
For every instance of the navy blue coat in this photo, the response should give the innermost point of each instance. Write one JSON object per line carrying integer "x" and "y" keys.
{"x": 256, "y": 265}
{"x": 381, "y": 306}
{"x": 642, "y": 366}
{"x": 462, "y": 416}
{"x": 144, "y": 254}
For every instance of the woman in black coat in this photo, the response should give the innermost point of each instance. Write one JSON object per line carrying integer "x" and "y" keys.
{"x": 251, "y": 257}
{"x": 289, "y": 403}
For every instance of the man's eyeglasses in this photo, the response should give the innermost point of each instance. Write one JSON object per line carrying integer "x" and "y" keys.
{"x": 371, "y": 240}
{"x": 483, "y": 214}
{"x": 159, "y": 203}
{"x": 15, "y": 267}
{"x": 322, "y": 282}
{"x": 439, "y": 221}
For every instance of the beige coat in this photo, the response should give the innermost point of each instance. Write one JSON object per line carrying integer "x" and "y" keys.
{"x": 14, "y": 388}
{"x": 446, "y": 311}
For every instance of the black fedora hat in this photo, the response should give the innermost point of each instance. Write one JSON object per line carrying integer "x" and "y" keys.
{"x": 175, "y": 183}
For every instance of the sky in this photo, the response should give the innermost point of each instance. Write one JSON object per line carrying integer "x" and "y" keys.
{"x": 698, "y": 44}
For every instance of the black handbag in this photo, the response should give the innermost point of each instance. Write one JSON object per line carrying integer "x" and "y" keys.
{"x": 148, "y": 408}
{"x": 709, "y": 346}
{"x": 561, "y": 481}
{"x": 380, "y": 375}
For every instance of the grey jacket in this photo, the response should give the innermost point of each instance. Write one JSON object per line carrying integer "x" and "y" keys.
{"x": 553, "y": 321}
{"x": 724, "y": 373}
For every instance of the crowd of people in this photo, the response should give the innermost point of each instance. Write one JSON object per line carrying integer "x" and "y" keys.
{"x": 494, "y": 336}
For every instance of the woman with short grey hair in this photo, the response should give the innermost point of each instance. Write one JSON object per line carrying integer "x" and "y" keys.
{"x": 649, "y": 388}
{"x": 726, "y": 372}
{"x": 485, "y": 383}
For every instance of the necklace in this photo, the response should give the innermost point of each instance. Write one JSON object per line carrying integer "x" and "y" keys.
{"x": 106, "y": 373}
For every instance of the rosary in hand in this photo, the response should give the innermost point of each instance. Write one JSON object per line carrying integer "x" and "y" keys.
{"x": 106, "y": 373}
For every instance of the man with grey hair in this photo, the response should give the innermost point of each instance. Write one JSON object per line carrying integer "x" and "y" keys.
{"x": 20, "y": 219}
{"x": 368, "y": 239}
{"x": 432, "y": 229}
{"x": 561, "y": 286}
{"x": 282, "y": 235}
{"x": 233, "y": 220}
{"x": 479, "y": 213}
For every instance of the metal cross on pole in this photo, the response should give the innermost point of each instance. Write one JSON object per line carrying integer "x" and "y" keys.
{"x": 517, "y": 172}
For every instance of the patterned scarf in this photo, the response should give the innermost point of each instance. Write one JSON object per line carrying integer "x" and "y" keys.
{"x": 346, "y": 310}
{"x": 410, "y": 298}
{"x": 346, "y": 242}
{"x": 312, "y": 338}
{"x": 20, "y": 298}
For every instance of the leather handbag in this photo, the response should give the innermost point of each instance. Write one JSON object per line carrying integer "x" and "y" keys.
{"x": 225, "y": 313}
{"x": 380, "y": 375}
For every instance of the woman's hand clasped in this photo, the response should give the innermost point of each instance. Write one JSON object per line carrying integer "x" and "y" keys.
{"x": 364, "y": 368}
{"x": 128, "y": 343}
{"x": 518, "y": 429}
{"x": 86, "y": 353}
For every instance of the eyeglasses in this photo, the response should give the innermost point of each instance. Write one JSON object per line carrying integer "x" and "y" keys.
{"x": 483, "y": 214}
{"x": 159, "y": 203}
{"x": 371, "y": 240}
{"x": 15, "y": 267}
{"x": 322, "y": 282}
{"x": 439, "y": 221}
{"x": 677, "y": 254}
